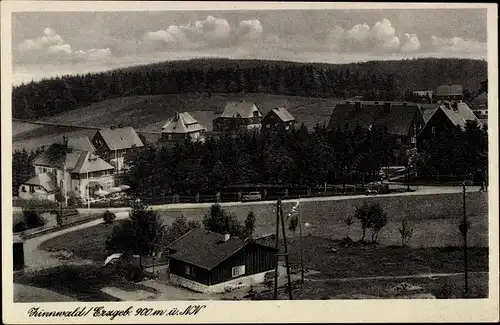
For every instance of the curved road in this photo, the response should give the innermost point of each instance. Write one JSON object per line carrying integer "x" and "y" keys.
{"x": 37, "y": 259}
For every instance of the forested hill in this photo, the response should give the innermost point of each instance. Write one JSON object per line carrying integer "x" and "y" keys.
{"x": 384, "y": 80}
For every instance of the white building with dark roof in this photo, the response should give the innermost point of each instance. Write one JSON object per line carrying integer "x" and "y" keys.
{"x": 74, "y": 172}
{"x": 182, "y": 127}
{"x": 238, "y": 116}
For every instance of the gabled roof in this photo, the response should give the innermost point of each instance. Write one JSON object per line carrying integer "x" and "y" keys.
{"x": 459, "y": 115}
{"x": 58, "y": 160}
{"x": 121, "y": 138}
{"x": 397, "y": 118}
{"x": 283, "y": 114}
{"x": 182, "y": 123}
{"x": 76, "y": 162}
{"x": 44, "y": 180}
{"x": 89, "y": 162}
{"x": 449, "y": 90}
{"x": 427, "y": 111}
{"x": 205, "y": 249}
{"x": 240, "y": 109}
{"x": 82, "y": 143}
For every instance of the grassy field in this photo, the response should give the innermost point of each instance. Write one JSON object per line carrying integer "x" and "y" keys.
{"x": 442, "y": 288}
{"x": 149, "y": 113}
{"x": 434, "y": 218}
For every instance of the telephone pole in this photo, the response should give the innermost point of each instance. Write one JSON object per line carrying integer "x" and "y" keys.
{"x": 465, "y": 230}
{"x": 280, "y": 219}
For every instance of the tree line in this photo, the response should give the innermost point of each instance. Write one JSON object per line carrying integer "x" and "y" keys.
{"x": 374, "y": 80}
{"x": 299, "y": 158}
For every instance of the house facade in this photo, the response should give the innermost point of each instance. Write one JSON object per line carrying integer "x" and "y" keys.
{"x": 77, "y": 173}
{"x": 448, "y": 92}
{"x": 278, "y": 120}
{"x": 238, "y": 116}
{"x": 445, "y": 117}
{"x": 113, "y": 144}
{"x": 182, "y": 127}
{"x": 401, "y": 120}
{"x": 205, "y": 261}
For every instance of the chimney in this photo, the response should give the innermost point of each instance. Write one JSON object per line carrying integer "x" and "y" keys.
{"x": 226, "y": 237}
{"x": 358, "y": 105}
{"x": 387, "y": 107}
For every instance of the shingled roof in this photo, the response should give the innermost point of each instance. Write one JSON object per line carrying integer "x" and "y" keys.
{"x": 121, "y": 138}
{"x": 182, "y": 123}
{"x": 82, "y": 143}
{"x": 459, "y": 114}
{"x": 76, "y": 162}
{"x": 283, "y": 114}
{"x": 240, "y": 109}
{"x": 206, "y": 249}
{"x": 44, "y": 180}
{"x": 397, "y": 118}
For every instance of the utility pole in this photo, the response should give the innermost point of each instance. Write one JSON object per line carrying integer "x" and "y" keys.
{"x": 280, "y": 219}
{"x": 276, "y": 259}
{"x": 301, "y": 247}
{"x": 465, "y": 230}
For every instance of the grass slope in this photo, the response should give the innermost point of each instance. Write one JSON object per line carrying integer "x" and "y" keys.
{"x": 149, "y": 114}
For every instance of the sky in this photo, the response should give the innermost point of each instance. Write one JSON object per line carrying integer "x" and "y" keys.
{"x": 46, "y": 44}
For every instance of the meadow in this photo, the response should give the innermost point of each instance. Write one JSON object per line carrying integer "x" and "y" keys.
{"x": 149, "y": 113}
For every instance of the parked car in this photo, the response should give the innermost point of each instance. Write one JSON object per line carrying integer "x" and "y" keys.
{"x": 371, "y": 191}
{"x": 252, "y": 196}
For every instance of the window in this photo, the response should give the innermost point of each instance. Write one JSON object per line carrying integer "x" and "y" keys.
{"x": 24, "y": 189}
{"x": 238, "y": 271}
{"x": 188, "y": 270}
{"x": 433, "y": 129}
{"x": 32, "y": 189}
{"x": 413, "y": 139}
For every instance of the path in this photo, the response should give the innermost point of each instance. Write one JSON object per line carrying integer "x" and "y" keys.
{"x": 37, "y": 259}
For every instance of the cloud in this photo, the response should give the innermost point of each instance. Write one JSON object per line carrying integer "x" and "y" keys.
{"x": 410, "y": 43}
{"x": 385, "y": 34}
{"x": 359, "y": 32}
{"x": 51, "y": 47}
{"x": 211, "y": 32}
{"x": 251, "y": 29}
{"x": 457, "y": 44}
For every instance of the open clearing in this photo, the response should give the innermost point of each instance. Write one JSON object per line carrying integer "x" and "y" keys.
{"x": 149, "y": 114}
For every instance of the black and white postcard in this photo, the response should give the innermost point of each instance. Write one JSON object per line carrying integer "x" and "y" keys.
{"x": 190, "y": 162}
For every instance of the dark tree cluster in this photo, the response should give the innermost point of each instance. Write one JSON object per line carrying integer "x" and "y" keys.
{"x": 374, "y": 80}
{"x": 300, "y": 158}
{"x": 458, "y": 152}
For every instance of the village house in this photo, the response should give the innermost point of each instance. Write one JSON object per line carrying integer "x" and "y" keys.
{"x": 445, "y": 116}
{"x": 401, "y": 120}
{"x": 278, "y": 120}
{"x": 448, "y": 92}
{"x": 181, "y": 127}
{"x": 78, "y": 173}
{"x": 208, "y": 262}
{"x": 479, "y": 104}
{"x": 113, "y": 144}
{"x": 238, "y": 116}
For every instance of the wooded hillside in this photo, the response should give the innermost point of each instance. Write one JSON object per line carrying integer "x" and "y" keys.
{"x": 383, "y": 80}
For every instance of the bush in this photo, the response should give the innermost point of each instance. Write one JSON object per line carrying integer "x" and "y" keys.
{"x": 108, "y": 217}
{"x": 32, "y": 219}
